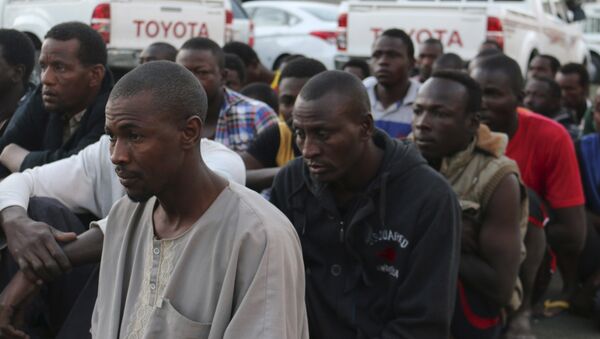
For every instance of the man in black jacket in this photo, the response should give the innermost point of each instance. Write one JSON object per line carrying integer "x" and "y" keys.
{"x": 379, "y": 228}
{"x": 66, "y": 112}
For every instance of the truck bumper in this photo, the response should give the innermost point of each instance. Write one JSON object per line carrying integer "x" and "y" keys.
{"x": 123, "y": 58}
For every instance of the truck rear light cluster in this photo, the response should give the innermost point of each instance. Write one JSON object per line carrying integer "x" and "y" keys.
{"x": 251, "y": 38}
{"x": 342, "y": 33}
{"x": 228, "y": 26}
{"x": 101, "y": 21}
{"x": 495, "y": 31}
{"x": 328, "y": 36}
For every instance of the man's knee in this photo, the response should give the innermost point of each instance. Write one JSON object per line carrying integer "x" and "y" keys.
{"x": 55, "y": 214}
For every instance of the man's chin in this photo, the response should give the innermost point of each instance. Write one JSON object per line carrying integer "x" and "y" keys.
{"x": 138, "y": 197}
{"x": 51, "y": 107}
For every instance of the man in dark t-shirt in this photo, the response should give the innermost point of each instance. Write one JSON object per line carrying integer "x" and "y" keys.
{"x": 275, "y": 146}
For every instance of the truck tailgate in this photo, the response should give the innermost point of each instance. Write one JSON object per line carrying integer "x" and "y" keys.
{"x": 461, "y": 27}
{"x": 136, "y": 24}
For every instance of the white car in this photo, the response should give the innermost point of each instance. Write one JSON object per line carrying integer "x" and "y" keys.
{"x": 282, "y": 28}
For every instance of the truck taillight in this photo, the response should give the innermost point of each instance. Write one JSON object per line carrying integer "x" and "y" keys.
{"x": 101, "y": 21}
{"x": 342, "y": 33}
{"x": 251, "y": 37}
{"x": 495, "y": 31}
{"x": 228, "y": 26}
{"x": 328, "y": 36}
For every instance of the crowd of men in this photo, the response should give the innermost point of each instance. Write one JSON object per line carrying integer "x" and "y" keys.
{"x": 206, "y": 196}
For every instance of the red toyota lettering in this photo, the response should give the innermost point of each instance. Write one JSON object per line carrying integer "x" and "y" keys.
{"x": 166, "y": 27}
{"x": 179, "y": 30}
{"x": 455, "y": 39}
{"x": 152, "y": 32}
{"x": 138, "y": 24}
{"x": 203, "y": 31}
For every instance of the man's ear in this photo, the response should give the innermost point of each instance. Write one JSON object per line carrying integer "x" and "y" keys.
{"x": 473, "y": 122}
{"x": 96, "y": 75}
{"x": 191, "y": 132}
{"x": 367, "y": 126}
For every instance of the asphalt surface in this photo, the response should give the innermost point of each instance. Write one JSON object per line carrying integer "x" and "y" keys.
{"x": 565, "y": 325}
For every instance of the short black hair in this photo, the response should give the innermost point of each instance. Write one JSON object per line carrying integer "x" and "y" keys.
{"x": 302, "y": 68}
{"x": 342, "y": 83}
{"x": 492, "y": 42}
{"x": 175, "y": 89}
{"x": 359, "y": 63}
{"x": 205, "y": 44}
{"x": 579, "y": 69}
{"x": 434, "y": 41}
{"x": 244, "y": 51}
{"x": 169, "y": 50}
{"x": 553, "y": 87}
{"x": 262, "y": 92}
{"x": 234, "y": 62}
{"x": 500, "y": 63}
{"x": 472, "y": 87}
{"x": 449, "y": 61}
{"x": 406, "y": 40}
{"x": 17, "y": 49}
{"x": 554, "y": 63}
{"x": 92, "y": 49}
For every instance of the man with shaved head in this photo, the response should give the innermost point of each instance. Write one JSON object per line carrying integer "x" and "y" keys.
{"x": 187, "y": 253}
{"x": 379, "y": 228}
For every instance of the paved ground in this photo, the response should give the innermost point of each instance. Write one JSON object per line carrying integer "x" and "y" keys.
{"x": 564, "y": 326}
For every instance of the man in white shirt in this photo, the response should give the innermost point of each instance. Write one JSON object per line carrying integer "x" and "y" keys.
{"x": 84, "y": 183}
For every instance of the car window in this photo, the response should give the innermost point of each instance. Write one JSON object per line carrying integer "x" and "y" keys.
{"x": 546, "y": 6}
{"x": 266, "y": 16}
{"x": 324, "y": 14}
{"x": 238, "y": 11}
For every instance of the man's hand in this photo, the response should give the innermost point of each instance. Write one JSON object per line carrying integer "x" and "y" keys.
{"x": 12, "y": 157}
{"x": 34, "y": 246}
{"x": 13, "y": 301}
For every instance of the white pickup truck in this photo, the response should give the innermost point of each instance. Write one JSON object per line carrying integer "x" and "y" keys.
{"x": 127, "y": 26}
{"x": 523, "y": 27}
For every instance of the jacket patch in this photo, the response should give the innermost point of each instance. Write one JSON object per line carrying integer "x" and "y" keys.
{"x": 388, "y": 254}
{"x": 391, "y": 270}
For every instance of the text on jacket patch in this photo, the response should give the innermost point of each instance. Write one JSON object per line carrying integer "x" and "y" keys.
{"x": 387, "y": 235}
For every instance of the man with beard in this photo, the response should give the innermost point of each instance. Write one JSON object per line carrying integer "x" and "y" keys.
{"x": 66, "y": 113}
{"x": 380, "y": 230}
{"x": 391, "y": 91}
{"x": 186, "y": 253}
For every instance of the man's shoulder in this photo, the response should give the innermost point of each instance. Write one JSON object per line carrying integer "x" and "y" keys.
{"x": 258, "y": 215}
{"x": 242, "y": 103}
{"x": 541, "y": 125}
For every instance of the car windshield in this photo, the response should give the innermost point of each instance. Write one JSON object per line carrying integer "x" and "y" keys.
{"x": 325, "y": 14}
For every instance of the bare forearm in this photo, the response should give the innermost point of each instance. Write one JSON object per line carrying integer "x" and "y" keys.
{"x": 260, "y": 179}
{"x": 9, "y": 215}
{"x": 86, "y": 249}
{"x": 479, "y": 275}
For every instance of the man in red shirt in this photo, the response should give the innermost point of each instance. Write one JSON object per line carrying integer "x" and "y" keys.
{"x": 546, "y": 157}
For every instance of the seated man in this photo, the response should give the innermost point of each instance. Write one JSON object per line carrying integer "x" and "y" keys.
{"x": 33, "y": 227}
{"x": 220, "y": 264}
{"x": 546, "y": 157}
{"x": 66, "y": 112}
{"x": 255, "y": 70}
{"x": 358, "y": 67}
{"x": 429, "y": 51}
{"x": 158, "y": 51}
{"x": 17, "y": 57}
{"x": 574, "y": 81}
{"x": 542, "y": 95}
{"x": 232, "y": 119}
{"x": 446, "y": 130}
{"x": 543, "y": 66}
{"x": 275, "y": 147}
{"x": 380, "y": 230}
{"x": 391, "y": 91}
{"x": 236, "y": 72}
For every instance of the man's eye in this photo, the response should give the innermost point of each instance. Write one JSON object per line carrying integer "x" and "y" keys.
{"x": 135, "y": 137}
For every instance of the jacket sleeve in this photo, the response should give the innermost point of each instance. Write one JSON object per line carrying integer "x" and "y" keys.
{"x": 94, "y": 130}
{"x": 425, "y": 300}
{"x": 22, "y": 127}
